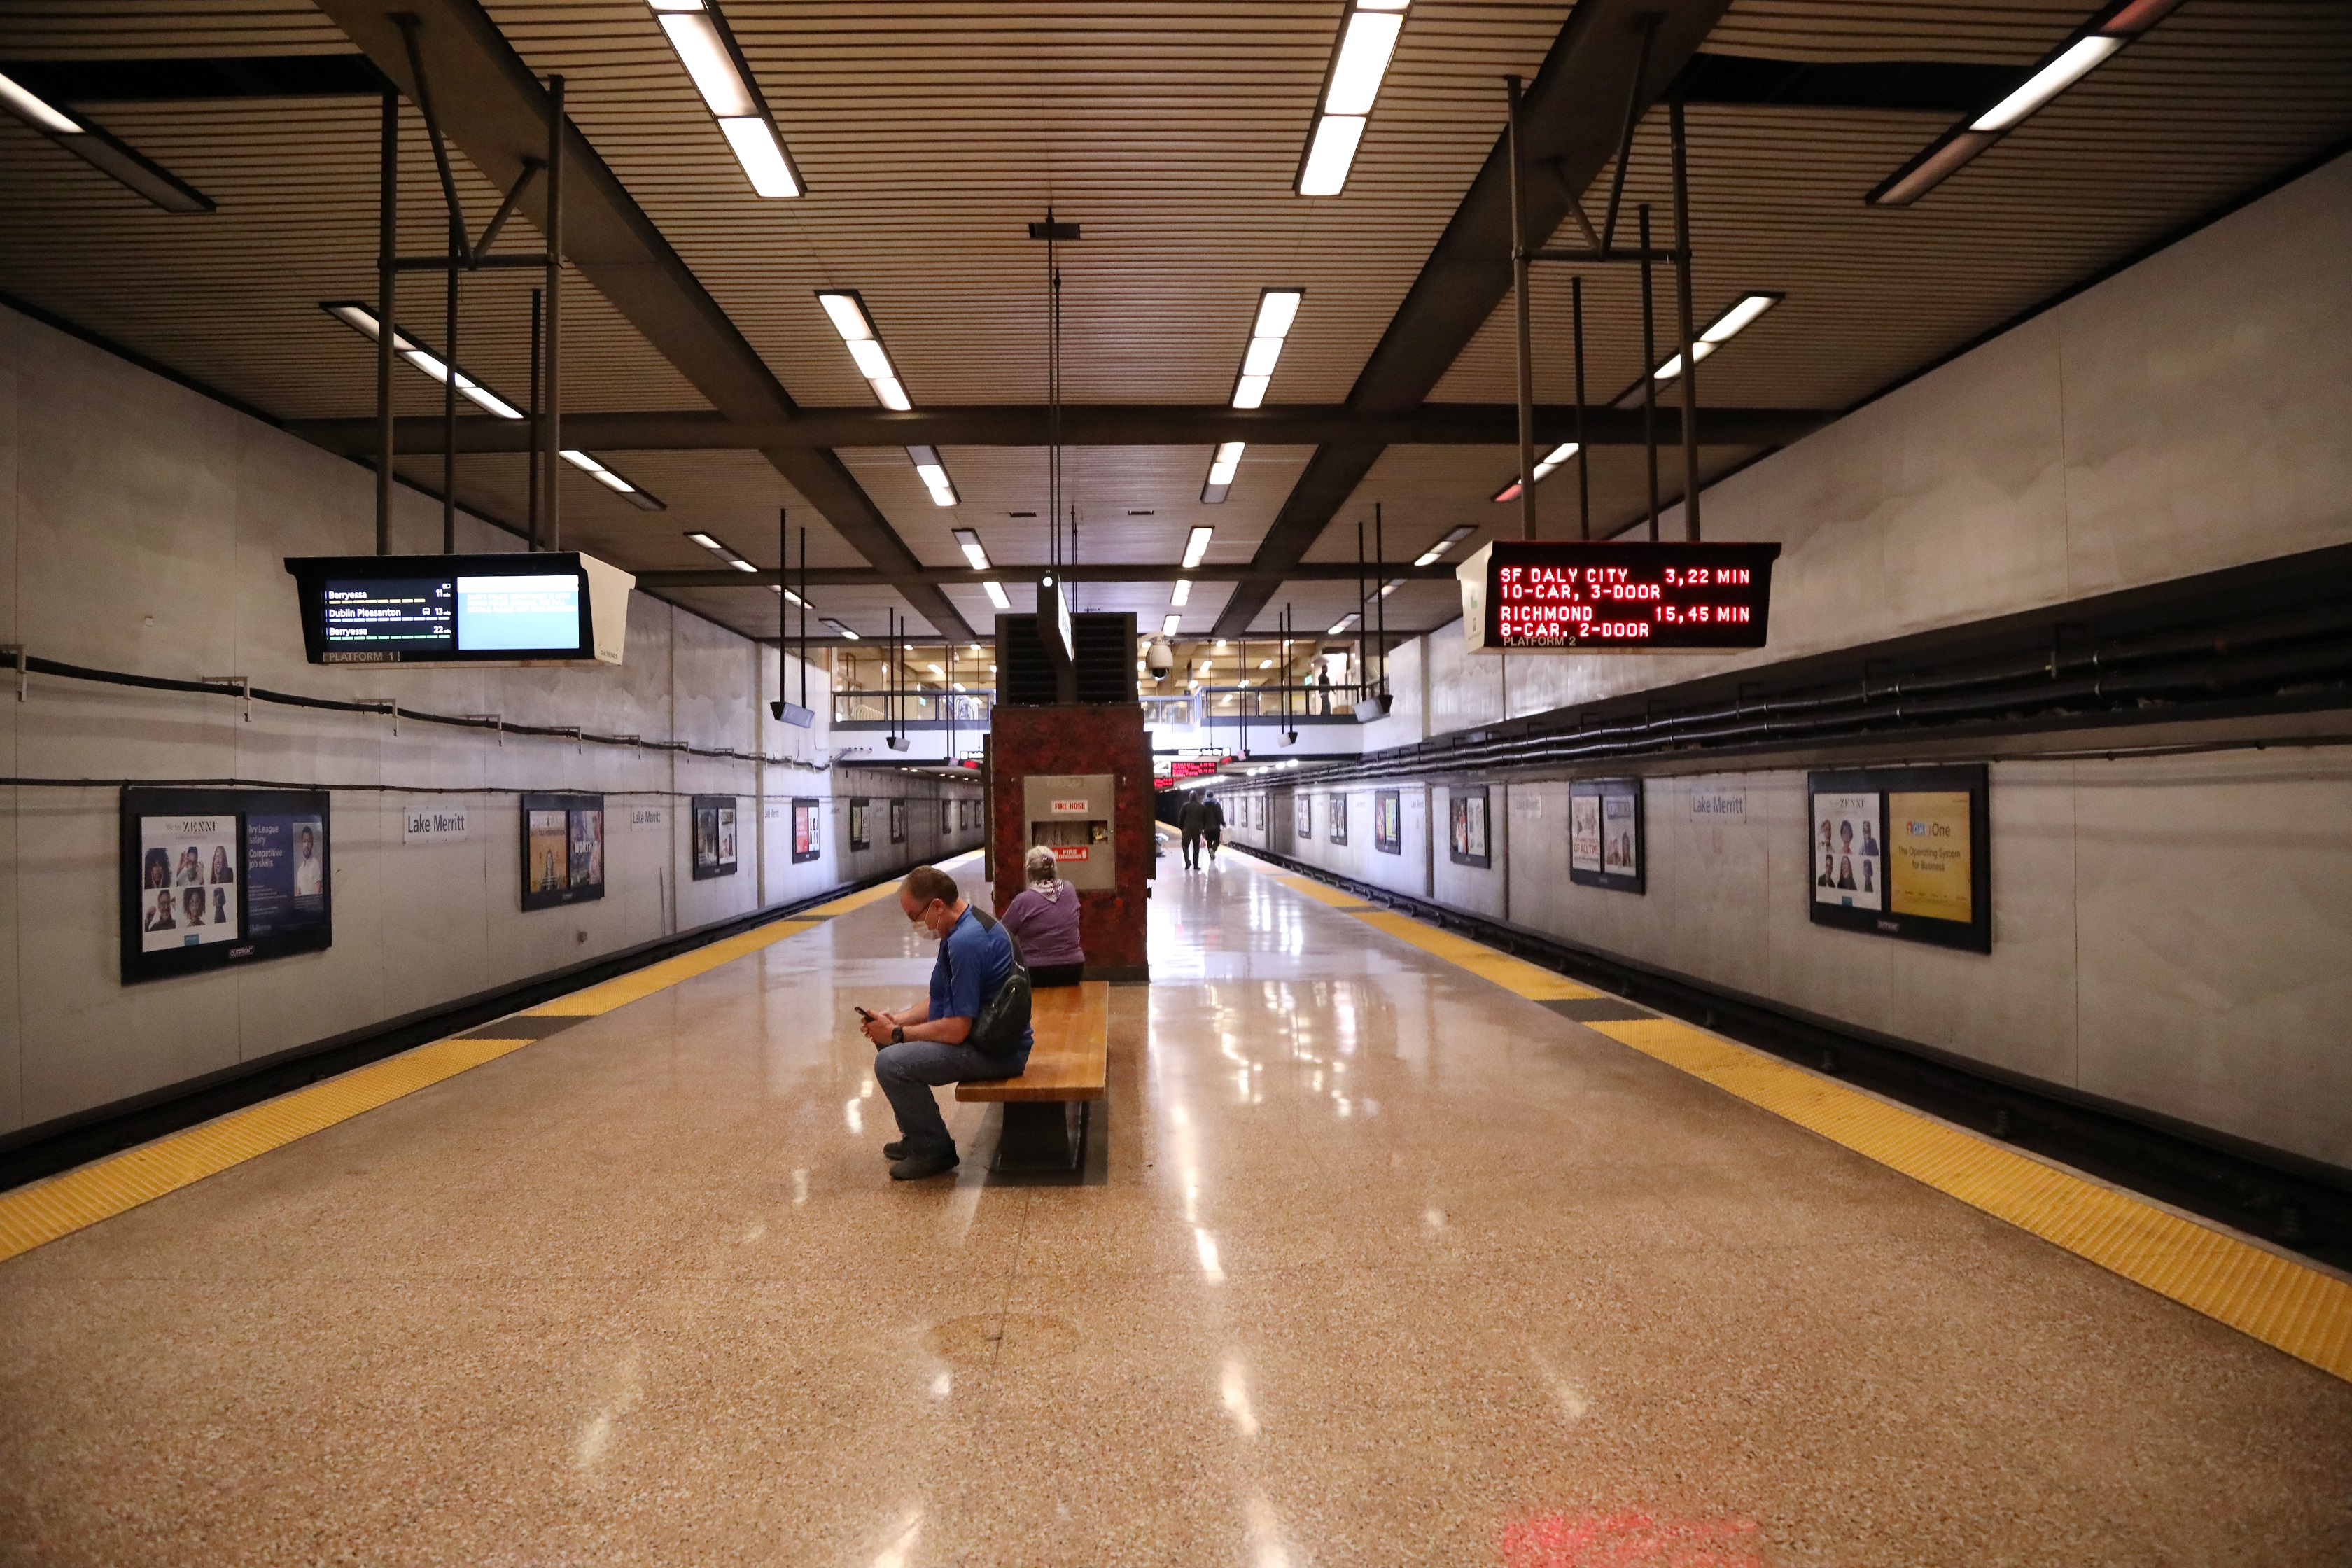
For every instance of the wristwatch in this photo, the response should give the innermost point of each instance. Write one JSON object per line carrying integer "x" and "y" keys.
{"x": 898, "y": 1034}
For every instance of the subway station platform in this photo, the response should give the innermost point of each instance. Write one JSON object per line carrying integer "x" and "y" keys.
{"x": 1389, "y": 1249}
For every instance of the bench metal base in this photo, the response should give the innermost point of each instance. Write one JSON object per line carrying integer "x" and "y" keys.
{"x": 1042, "y": 1135}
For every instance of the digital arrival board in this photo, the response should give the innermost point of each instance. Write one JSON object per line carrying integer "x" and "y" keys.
{"x": 1567, "y": 596}
{"x": 555, "y": 606}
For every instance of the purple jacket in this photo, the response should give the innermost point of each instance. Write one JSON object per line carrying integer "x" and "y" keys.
{"x": 1047, "y": 928}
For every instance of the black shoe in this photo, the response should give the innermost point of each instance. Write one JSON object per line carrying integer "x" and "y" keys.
{"x": 916, "y": 1167}
{"x": 895, "y": 1151}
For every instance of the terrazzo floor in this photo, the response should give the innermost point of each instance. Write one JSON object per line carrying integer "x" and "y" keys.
{"x": 1378, "y": 1264}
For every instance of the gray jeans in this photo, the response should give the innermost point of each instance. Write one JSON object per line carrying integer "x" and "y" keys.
{"x": 906, "y": 1072}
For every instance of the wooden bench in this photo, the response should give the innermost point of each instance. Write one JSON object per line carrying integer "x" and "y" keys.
{"x": 1045, "y": 1107}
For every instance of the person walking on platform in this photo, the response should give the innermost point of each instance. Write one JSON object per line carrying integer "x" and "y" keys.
{"x": 1044, "y": 919}
{"x": 1190, "y": 817}
{"x": 1213, "y": 827}
{"x": 930, "y": 1043}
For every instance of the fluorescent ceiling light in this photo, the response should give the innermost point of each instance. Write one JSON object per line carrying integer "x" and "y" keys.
{"x": 1266, "y": 664}
{"x": 892, "y": 394}
{"x": 1258, "y": 359}
{"x": 968, "y": 540}
{"x": 1344, "y": 622}
{"x": 848, "y": 313}
{"x": 836, "y": 625}
{"x": 1330, "y": 154}
{"x": 36, "y": 112}
{"x": 2074, "y": 63}
{"x": 1249, "y": 391}
{"x": 1731, "y": 322}
{"x": 997, "y": 598}
{"x": 1726, "y": 326}
{"x": 1196, "y": 547}
{"x": 933, "y": 472}
{"x": 705, "y": 57}
{"x": 1277, "y": 309}
{"x": 870, "y": 359}
{"x": 1364, "y": 51}
{"x": 1182, "y": 594}
{"x": 1168, "y": 624}
{"x": 582, "y": 461}
{"x": 855, "y": 325}
{"x": 762, "y": 155}
{"x": 708, "y": 542}
{"x": 1223, "y": 469}
{"x": 1674, "y": 367}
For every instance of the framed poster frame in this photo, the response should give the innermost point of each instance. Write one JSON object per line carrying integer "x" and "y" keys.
{"x": 861, "y": 822}
{"x": 717, "y": 823}
{"x": 808, "y": 841}
{"x": 235, "y": 825}
{"x": 1388, "y": 821}
{"x": 1338, "y": 831}
{"x": 1302, "y": 806}
{"x": 1617, "y": 854}
{"x": 580, "y": 879}
{"x": 1918, "y": 815}
{"x": 1470, "y": 834}
{"x": 898, "y": 815}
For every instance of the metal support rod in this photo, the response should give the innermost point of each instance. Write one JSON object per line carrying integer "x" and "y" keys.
{"x": 1649, "y": 26}
{"x": 1527, "y": 382}
{"x": 1649, "y": 377}
{"x": 409, "y": 27}
{"x": 530, "y": 459}
{"x": 1682, "y": 304}
{"x": 386, "y": 290}
{"x": 804, "y": 587}
{"x": 530, "y": 167}
{"x": 449, "y": 402}
{"x": 1583, "y": 455}
{"x": 1381, "y": 555}
{"x": 555, "y": 414}
{"x": 1363, "y": 620}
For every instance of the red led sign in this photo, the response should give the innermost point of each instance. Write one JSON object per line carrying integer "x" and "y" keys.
{"x": 1538, "y": 596}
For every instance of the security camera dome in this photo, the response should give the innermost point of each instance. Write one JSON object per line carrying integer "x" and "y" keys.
{"x": 1160, "y": 658}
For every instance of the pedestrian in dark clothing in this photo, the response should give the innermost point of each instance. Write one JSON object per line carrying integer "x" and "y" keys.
{"x": 1323, "y": 690}
{"x": 1190, "y": 817}
{"x": 1213, "y": 827}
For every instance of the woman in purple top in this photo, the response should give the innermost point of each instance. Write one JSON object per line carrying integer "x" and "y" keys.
{"x": 1044, "y": 919}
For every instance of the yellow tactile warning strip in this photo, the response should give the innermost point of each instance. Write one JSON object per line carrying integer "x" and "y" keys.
{"x": 63, "y": 1203}
{"x": 857, "y": 900}
{"x": 2285, "y": 1304}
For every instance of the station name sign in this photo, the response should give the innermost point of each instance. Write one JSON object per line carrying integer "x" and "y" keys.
{"x": 1542, "y": 596}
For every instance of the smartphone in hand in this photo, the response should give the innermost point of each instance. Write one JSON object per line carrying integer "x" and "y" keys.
{"x": 865, "y": 1014}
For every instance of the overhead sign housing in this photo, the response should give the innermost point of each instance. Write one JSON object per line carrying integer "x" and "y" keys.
{"x": 543, "y": 607}
{"x": 1543, "y": 596}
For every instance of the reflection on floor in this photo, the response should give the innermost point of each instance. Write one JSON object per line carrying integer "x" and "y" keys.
{"x": 1387, "y": 1264}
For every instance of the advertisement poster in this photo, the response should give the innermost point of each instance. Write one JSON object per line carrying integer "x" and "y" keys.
{"x": 215, "y": 876}
{"x": 1848, "y": 861}
{"x": 1338, "y": 819}
{"x": 1465, "y": 827}
{"x": 714, "y": 835}
{"x": 861, "y": 824}
{"x": 286, "y": 873}
{"x": 188, "y": 879}
{"x": 562, "y": 850}
{"x": 1927, "y": 860}
{"x": 1584, "y": 833}
{"x": 804, "y": 839}
{"x": 1620, "y": 854}
{"x": 1903, "y": 852}
{"x": 1388, "y": 822}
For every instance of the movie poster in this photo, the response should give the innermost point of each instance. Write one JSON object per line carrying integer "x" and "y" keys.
{"x": 804, "y": 839}
{"x": 1388, "y": 822}
{"x": 1584, "y": 833}
{"x": 1304, "y": 805}
{"x": 286, "y": 873}
{"x": 562, "y": 850}
{"x": 1465, "y": 827}
{"x": 1849, "y": 863}
{"x": 188, "y": 880}
{"x": 1338, "y": 819}
{"x": 1928, "y": 865}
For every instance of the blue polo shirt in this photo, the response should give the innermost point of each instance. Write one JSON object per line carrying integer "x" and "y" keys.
{"x": 974, "y": 962}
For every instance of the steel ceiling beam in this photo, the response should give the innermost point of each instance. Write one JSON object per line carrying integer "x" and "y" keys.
{"x": 1140, "y": 425}
{"x": 495, "y": 109}
{"x": 1572, "y": 118}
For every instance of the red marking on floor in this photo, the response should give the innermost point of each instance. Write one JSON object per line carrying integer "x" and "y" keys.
{"x": 1620, "y": 1540}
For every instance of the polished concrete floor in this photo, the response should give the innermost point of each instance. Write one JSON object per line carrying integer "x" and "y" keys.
{"x": 1383, "y": 1265}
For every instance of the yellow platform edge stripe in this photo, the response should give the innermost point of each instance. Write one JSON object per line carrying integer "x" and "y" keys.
{"x": 60, "y": 1205}
{"x": 2285, "y": 1304}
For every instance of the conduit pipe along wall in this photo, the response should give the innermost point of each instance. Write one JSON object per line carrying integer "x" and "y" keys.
{"x": 143, "y": 531}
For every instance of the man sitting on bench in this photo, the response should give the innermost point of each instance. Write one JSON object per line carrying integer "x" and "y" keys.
{"x": 928, "y": 1043}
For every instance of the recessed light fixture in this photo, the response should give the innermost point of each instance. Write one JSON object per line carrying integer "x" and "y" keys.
{"x": 1435, "y": 552}
{"x": 2059, "y": 69}
{"x": 855, "y": 325}
{"x": 1182, "y": 594}
{"x": 1276, "y": 310}
{"x": 730, "y": 557}
{"x": 103, "y": 151}
{"x": 968, "y": 540}
{"x": 996, "y": 596}
{"x": 1223, "y": 468}
{"x": 1551, "y": 460}
{"x": 1344, "y": 623}
{"x": 35, "y": 111}
{"x": 1169, "y": 624}
{"x": 836, "y": 625}
{"x": 1367, "y": 43}
{"x": 707, "y": 49}
{"x": 1726, "y": 326}
{"x": 934, "y": 475}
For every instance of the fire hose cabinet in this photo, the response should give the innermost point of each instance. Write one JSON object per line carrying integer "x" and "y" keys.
{"x": 1077, "y": 816}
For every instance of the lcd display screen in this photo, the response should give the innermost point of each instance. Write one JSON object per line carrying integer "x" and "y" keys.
{"x": 448, "y": 609}
{"x": 397, "y": 612}
{"x": 516, "y": 615}
{"x": 1578, "y": 597}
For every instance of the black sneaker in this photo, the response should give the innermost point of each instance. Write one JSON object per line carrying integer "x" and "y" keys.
{"x": 895, "y": 1151}
{"x": 916, "y": 1167}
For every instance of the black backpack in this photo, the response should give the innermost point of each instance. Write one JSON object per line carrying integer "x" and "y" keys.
{"x": 1004, "y": 1014}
